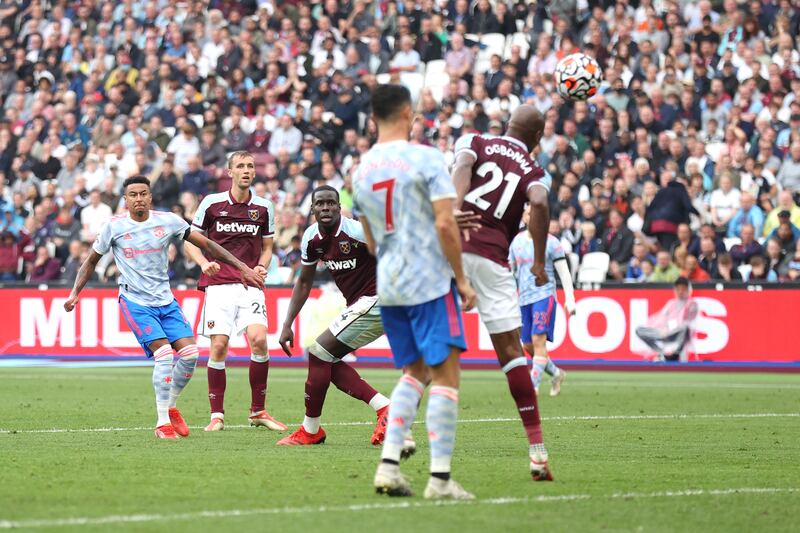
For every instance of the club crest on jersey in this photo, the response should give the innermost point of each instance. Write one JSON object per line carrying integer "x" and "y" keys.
{"x": 344, "y": 247}
{"x": 210, "y": 324}
{"x": 253, "y": 213}
{"x": 159, "y": 231}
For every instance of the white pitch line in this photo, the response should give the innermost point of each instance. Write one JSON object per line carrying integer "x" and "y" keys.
{"x": 382, "y": 506}
{"x": 464, "y": 421}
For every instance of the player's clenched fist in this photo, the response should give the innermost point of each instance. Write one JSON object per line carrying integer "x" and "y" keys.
{"x": 251, "y": 278}
{"x": 540, "y": 274}
{"x": 211, "y": 268}
{"x": 69, "y": 305}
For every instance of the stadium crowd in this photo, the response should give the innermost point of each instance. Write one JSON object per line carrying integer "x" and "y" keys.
{"x": 687, "y": 162}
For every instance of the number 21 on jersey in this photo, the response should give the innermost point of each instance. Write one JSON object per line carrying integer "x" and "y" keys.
{"x": 387, "y": 185}
{"x": 475, "y": 196}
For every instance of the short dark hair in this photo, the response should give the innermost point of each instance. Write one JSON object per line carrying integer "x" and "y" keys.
{"x": 387, "y": 100}
{"x": 323, "y": 188}
{"x": 237, "y": 154}
{"x": 682, "y": 281}
{"x": 134, "y": 180}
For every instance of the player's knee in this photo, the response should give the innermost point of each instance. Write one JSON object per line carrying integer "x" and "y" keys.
{"x": 189, "y": 353}
{"x": 321, "y": 353}
{"x": 539, "y": 342}
{"x": 163, "y": 355}
{"x": 259, "y": 358}
{"x": 218, "y": 350}
{"x": 258, "y": 341}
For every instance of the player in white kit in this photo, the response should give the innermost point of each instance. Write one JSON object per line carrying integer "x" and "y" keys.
{"x": 538, "y": 302}
{"x": 139, "y": 240}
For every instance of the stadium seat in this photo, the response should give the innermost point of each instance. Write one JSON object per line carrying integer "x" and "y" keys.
{"x": 714, "y": 150}
{"x": 436, "y": 82}
{"x": 437, "y": 66}
{"x": 547, "y": 26}
{"x": 521, "y": 40}
{"x": 594, "y": 268}
{"x": 494, "y": 43}
{"x": 745, "y": 270}
{"x": 414, "y": 82}
{"x": 285, "y": 274}
{"x": 197, "y": 119}
{"x": 170, "y": 130}
{"x": 730, "y": 242}
{"x": 383, "y": 79}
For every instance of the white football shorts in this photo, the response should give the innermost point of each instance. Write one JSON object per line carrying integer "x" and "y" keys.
{"x": 356, "y": 326}
{"x": 229, "y": 309}
{"x": 498, "y": 303}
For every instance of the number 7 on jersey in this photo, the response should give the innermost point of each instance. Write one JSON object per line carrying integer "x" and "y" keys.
{"x": 389, "y": 186}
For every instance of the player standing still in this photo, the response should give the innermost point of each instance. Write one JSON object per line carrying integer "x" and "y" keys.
{"x": 406, "y": 196}
{"x": 340, "y": 243}
{"x": 243, "y": 224}
{"x": 538, "y": 302}
{"x": 139, "y": 241}
{"x": 494, "y": 177}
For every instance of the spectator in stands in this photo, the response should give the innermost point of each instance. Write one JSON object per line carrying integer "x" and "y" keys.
{"x": 183, "y": 147}
{"x": 748, "y": 248}
{"x": 665, "y": 270}
{"x": 726, "y": 270}
{"x": 789, "y": 174}
{"x": 44, "y": 268}
{"x": 706, "y": 230}
{"x": 285, "y": 137}
{"x": 707, "y": 260}
{"x": 196, "y": 179}
{"x": 10, "y": 256}
{"x": 759, "y": 270}
{"x": 73, "y": 262}
{"x": 94, "y": 216}
{"x": 748, "y": 213}
{"x": 589, "y": 241}
{"x": 785, "y": 236}
{"x": 785, "y": 204}
{"x": 459, "y": 59}
{"x": 617, "y": 242}
{"x": 693, "y": 271}
{"x": 166, "y": 187}
{"x": 636, "y": 268}
{"x": 724, "y": 203}
{"x": 670, "y": 207}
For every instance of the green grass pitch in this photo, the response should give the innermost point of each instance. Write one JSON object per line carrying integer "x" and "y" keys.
{"x": 630, "y": 451}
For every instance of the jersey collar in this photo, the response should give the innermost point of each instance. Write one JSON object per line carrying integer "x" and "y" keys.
{"x": 338, "y": 229}
{"x": 232, "y": 201}
{"x": 515, "y": 141}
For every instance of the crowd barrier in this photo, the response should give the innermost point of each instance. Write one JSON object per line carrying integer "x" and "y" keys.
{"x": 736, "y": 327}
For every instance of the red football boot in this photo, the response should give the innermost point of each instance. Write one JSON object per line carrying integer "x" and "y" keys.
{"x": 263, "y": 419}
{"x": 166, "y": 432}
{"x": 301, "y": 437}
{"x": 178, "y": 424}
{"x": 380, "y": 428}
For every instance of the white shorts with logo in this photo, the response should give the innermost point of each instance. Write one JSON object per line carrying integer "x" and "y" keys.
{"x": 229, "y": 309}
{"x": 356, "y": 326}
{"x": 498, "y": 303}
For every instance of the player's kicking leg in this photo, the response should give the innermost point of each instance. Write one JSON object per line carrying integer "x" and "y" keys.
{"x": 498, "y": 309}
{"x": 326, "y": 366}
{"x": 538, "y": 323}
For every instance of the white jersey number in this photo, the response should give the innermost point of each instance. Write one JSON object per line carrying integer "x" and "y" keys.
{"x": 475, "y": 196}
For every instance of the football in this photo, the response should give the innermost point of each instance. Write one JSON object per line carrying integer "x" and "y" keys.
{"x": 578, "y": 77}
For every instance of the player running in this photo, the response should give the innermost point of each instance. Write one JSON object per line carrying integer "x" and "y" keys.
{"x": 494, "y": 177}
{"x": 139, "y": 241}
{"x": 340, "y": 243}
{"x": 406, "y": 196}
{"x": 538, "y": 303}
{"x": 243, "y": 224}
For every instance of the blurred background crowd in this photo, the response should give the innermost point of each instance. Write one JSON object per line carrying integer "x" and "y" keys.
{"x": 686, "y": 163}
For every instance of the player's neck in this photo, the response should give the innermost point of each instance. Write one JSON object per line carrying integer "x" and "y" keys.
{"x": 329, "y": 230}
{"x": 240, "y": 195}
{"x": 392, "y": 132}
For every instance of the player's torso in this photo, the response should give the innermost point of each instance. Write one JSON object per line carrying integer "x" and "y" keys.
{"x": 498, "y": 193}
{"x": 352, "y": 266}
{"x": 522, "y": 250}
{"x": 237, "y": 227}
{"x": 394, "y": 194}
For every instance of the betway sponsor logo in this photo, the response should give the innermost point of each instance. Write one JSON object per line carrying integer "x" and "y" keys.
{"x": 237, "y": 227}
{"x": 515, "y": 155}
{"x": 341, "y": 265}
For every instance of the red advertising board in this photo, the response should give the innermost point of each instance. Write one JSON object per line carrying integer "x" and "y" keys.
{"x": 734, "y": 326}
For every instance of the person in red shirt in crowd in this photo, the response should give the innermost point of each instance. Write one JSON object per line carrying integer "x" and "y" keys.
{"x": 692, "y": 270}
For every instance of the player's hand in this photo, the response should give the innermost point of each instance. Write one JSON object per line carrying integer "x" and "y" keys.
{"x": 541, "y": 276}
{"x": 69, "y": 305}
{"x": 287, "y": 340}
{"x": 250, "y": 278}
{"x": 211, "y": 269}
{"x": 261, "y": 271}
{"x": 570, "y": 307}
{"x": 467, "y": 221}
{"x": 468, "y": 296}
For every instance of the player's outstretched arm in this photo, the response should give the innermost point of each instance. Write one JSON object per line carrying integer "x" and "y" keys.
{"x": 84, "y": 275}
{"x": 302, "y": 288}
{"x": 449, "y": 239}
{"x": 262, "y": 268}
{"x": 249, "y": 277}
{"x": 537, "y": 226}
{"x": 209, "y": 268}
{"x": 566, "y": 282}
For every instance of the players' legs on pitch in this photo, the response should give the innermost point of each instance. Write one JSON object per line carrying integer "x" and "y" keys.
{"x": 259, "y": 366}
{"x": 162, "y": 377}
{"x": 217, "y": 380}
{"x": 183, "y": 370}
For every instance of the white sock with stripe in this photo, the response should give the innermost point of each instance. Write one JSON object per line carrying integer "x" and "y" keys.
{"x": 162, "y": 378}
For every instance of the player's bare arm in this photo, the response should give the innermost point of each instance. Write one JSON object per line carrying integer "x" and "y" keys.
{"x": 462, "y": 176}
{"x": 84, "y": 274}
{"x": 215, "y": 250}
{"x": 302, "y": 288}
{"x": 537, "y": 226}
{"x": 566, "y": 282}
{"x": 209, "y": 268}
{"x": 447, "y": 230}
{"x": 266, "y": 257}
{"x": 371, "y": 246}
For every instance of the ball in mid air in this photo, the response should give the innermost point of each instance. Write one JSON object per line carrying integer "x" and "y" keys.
{"x": 578, "y": 77}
